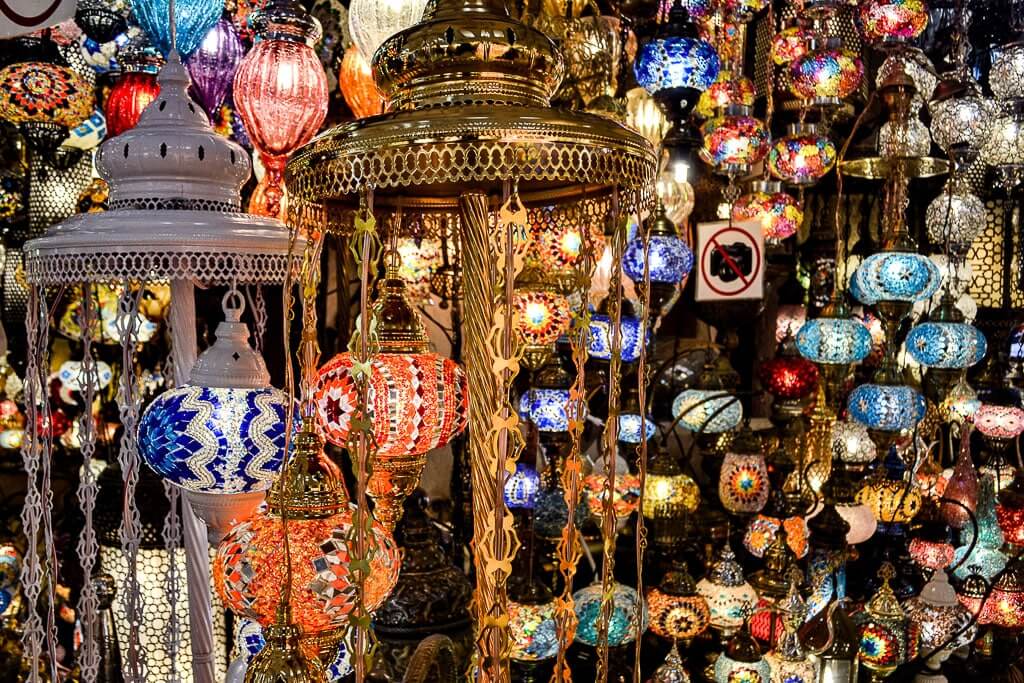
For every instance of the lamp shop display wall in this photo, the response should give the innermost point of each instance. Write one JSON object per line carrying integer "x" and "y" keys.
{"x": 559, "y": 340}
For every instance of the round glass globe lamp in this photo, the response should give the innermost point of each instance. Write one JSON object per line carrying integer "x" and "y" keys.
{"x": 707, "y": 411}
{"x": 802, "y": 157}
{"x": 629, "y": 615}
{"x": 734, "y": 140}
{"x": 778, "y": 212}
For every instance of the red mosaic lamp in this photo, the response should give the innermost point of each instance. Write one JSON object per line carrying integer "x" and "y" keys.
{"x": 418, "y": 399}
{"x": 251, "y": 568}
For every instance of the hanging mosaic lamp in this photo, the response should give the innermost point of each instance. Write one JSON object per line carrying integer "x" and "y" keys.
{"x": 631, "y": 340}
{"x": 544, "y": 316}
{"x": 645, "y": 116}
{"x": 778, "y": 212}
{"x": 731, "y": 87}
{"x": 192, "y": 20}
{"x": 280, "y": 91}
{"x": 417, "y": 400}
{"x": 221, "y": 437}
{"x": 803, "y": 156}
{"x": 134, "y": 89}
{"x": 710, "y": 407}
{"x": 546, "y": 403}
{"x": 531, "y": 622}
{"x": 212, "y": 66}
{"x": 249, "y": 569}
{"x": 625, "y": 494}
{"x": 790, "y": 43}
{"x": 667, "y": 260}
{"x": 355, "y": 78}
{"x": 707, "y": 411}
{"x": 886, "y": 407}
{"x": 556, "y": 247}
{"x": 676, "y": 65}
{"x": 826, "y": 75}
{"x": 670, "y": 496}
{"x": 45, "y": 100}
{"x": 1005, "y": 605}
{"x": 946, "y": 342}
{"x": 734, "y": 140}
{"x": 999, "y": 422}
{"x": 852, "y": 444}
{"x": 628, "y": 615}
{"x": 762, "y": 530}
{"x": 892, "y": 22}
{"x": 896, "y": 276}
{"x": 729, "y": 596}
{"x": 521, "y": 487}
{"x": 371, "y": 22}
{"x": 834, "y": 341}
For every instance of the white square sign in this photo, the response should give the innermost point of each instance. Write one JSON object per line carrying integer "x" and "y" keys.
{"x": 730, "y": 261}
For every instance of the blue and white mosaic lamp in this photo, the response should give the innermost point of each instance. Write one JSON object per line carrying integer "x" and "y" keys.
{"x": 220, "y": 437}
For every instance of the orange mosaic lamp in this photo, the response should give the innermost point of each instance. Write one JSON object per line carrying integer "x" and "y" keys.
{"x": 250, "y": 569}
{"x": 417, "y": 401}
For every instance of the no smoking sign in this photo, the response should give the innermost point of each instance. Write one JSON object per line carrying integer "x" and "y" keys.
{"x": 731, "y": 263}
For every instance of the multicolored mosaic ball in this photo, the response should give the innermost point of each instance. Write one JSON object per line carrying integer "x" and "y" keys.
{"x": 779, "y": 213}
{"x": 743, "y": 484}
{"x": 789, "y": 44}
{"x": 801, "y": 158}
{"x": 532, "y": 631}
{"x": 827, "y": 73}
{"x": 728, "y": 88}
{"x": 892, "y": 20}
{"x": 734, "y": 140}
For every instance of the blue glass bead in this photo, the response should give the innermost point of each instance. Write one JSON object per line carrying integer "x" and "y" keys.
{"x": 629, "y": 428}
{"x": 834, "y": 341}
{"x": 521, "y": 488}
{"x": 666, "y": 63}
{"x": 546, "y": 408}
{"x": 193, "y": 18}
{"x": 896, "y": 276}
{"x": 700, "y": 407}
{"x": 886, "y": 407}
{"x": 216, "y": 440}
{"x": 628, "y": 610}
{"x": 600, "y": 344}
{"x": 946, "y": 345}
{"x": 671, "y": 259}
